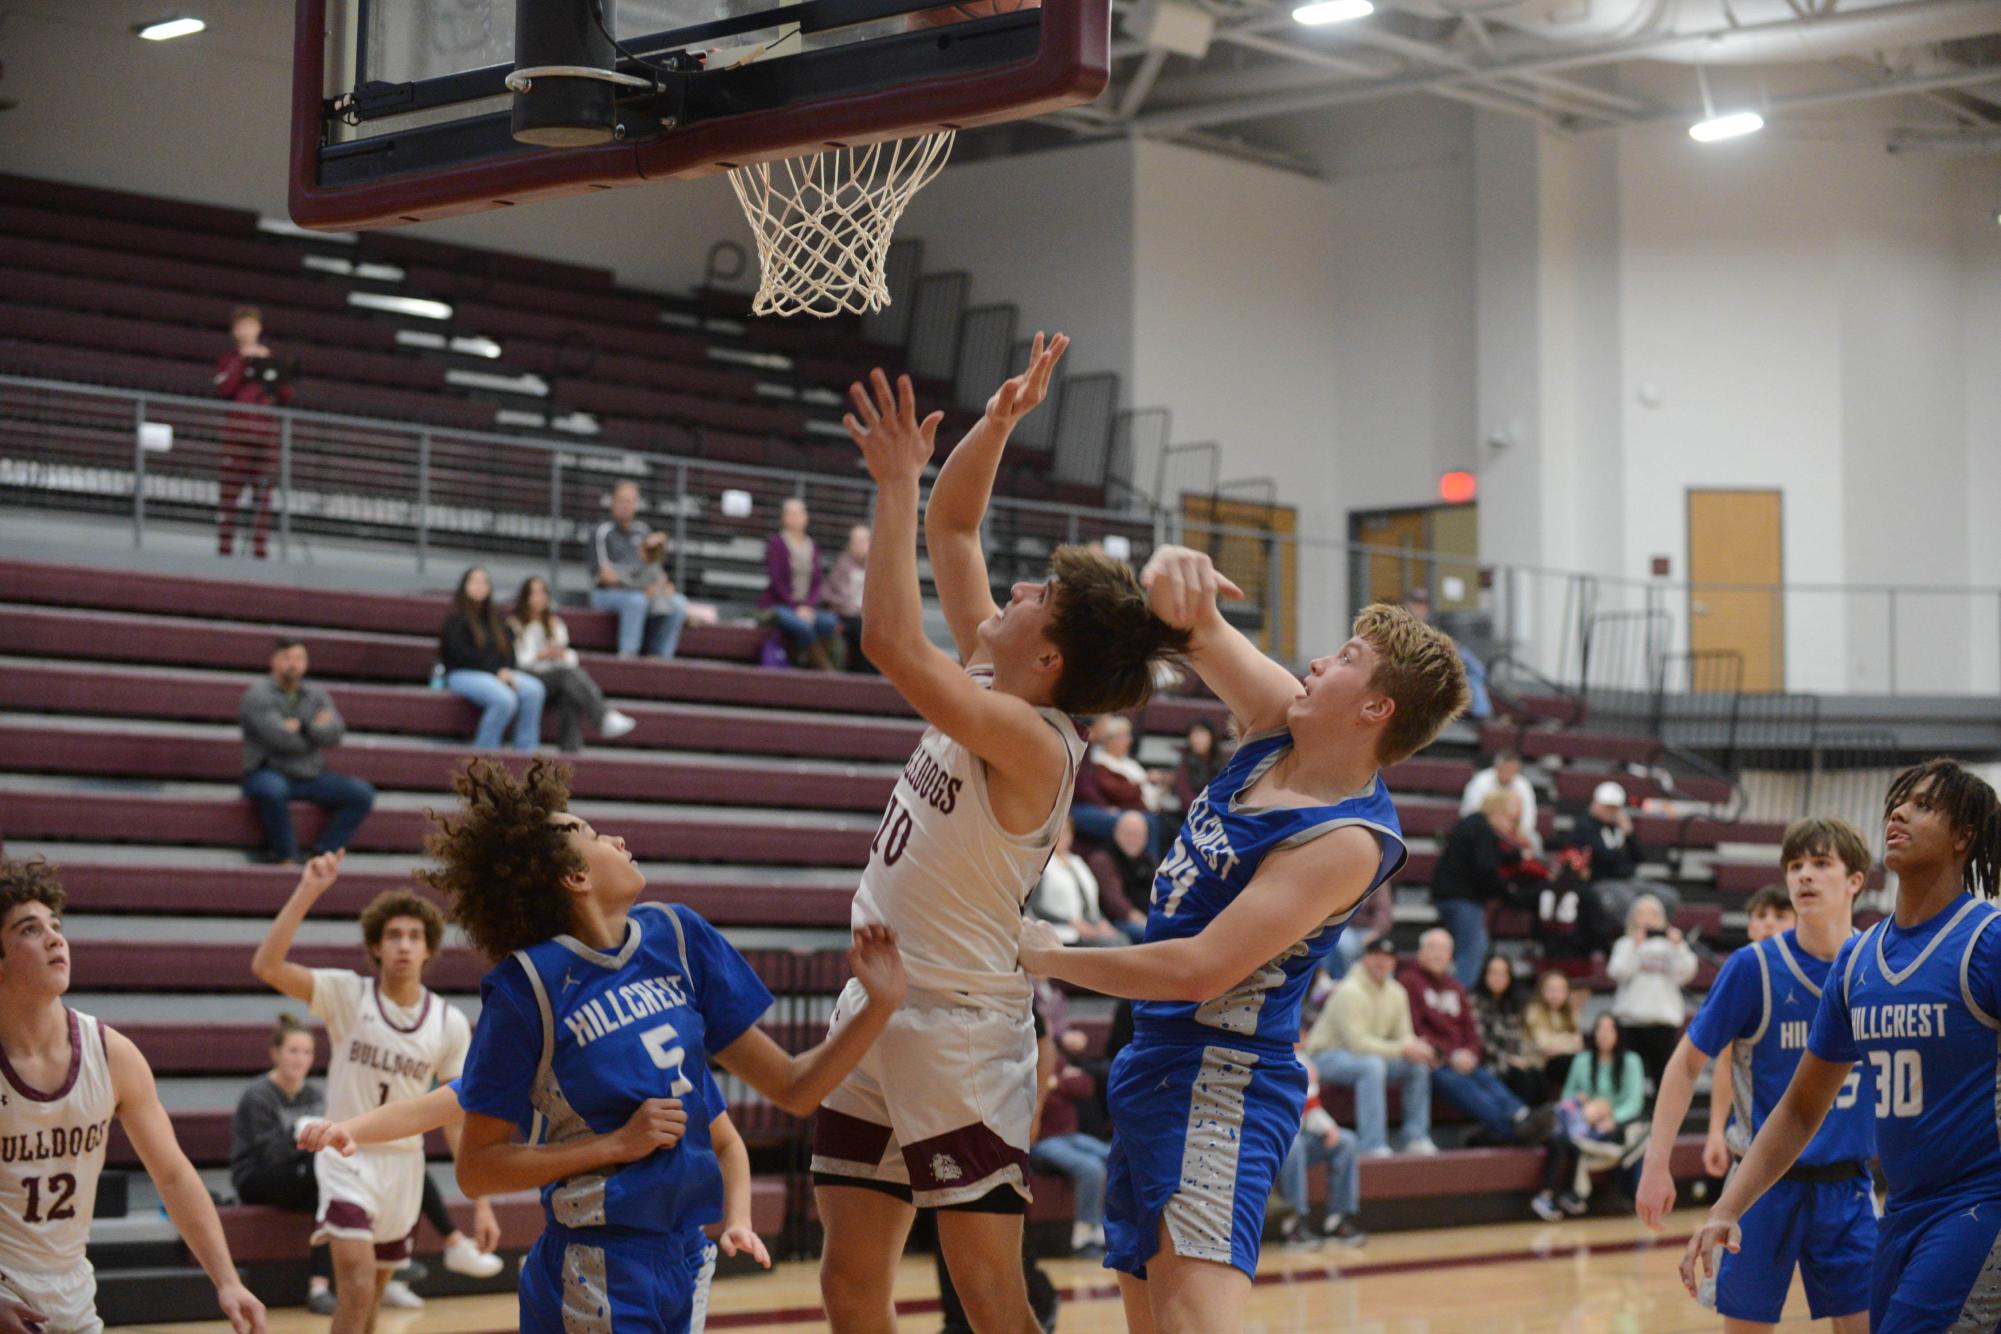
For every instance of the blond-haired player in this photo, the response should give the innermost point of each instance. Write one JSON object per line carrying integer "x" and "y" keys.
{"x": 63, "y": 1078}
{"x": 1273, "y": 858}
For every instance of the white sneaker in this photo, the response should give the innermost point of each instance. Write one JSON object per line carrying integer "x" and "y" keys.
{"x": 462, "y": 1257}
{"x": 398, "y": 1297}
{"x": 1421, "y": 1146}
{"x": 1384, "y": 1152}
{"x": 617, "y": 724}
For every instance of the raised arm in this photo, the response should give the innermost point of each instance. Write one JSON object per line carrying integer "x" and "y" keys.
{"x": 799, "y": 1083}
{"x": 1292, "y": 896}
{"x": 188, "y": 1204}
{"x": 1183, "y": 586}
{"x": 965, "y": 484}
{"x": 270, "y": 965}
{"x": 1001, "y": 729}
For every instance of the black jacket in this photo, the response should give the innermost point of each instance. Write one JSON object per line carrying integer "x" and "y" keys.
{"x": 1469, "y": 865}
{"x": 459, "y": 651}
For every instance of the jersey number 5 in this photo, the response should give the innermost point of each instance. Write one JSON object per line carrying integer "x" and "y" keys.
{"x": 667, "y": 1058}
{"x": 62, "y": 1186}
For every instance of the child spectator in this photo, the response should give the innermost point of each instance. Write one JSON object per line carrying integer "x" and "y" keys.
{"x": 542, "y": 649}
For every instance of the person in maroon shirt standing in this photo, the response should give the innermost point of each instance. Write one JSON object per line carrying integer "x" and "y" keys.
{"x": 249, "y": 439}
{"x": 1441, "y": 1013}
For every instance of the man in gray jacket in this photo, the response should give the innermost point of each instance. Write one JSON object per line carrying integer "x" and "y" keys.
{"x": 286, "y": 725}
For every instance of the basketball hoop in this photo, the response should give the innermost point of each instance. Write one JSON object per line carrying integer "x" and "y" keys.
{"x": 823, "y": 221}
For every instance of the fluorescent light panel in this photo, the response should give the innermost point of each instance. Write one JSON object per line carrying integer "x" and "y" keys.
{"x": 168, "y": 29}
{"x": 1735, "y": 125}
{"x": 1332, "y": 11}
{"x": 400, "y": 305}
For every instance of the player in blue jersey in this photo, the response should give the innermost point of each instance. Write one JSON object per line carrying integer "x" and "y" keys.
{"x": 1272, "y": 859}
{"x": 1914, "y": 1004}
{"x": 598, "y": 1005}
{"x": 1821, "y": 1215}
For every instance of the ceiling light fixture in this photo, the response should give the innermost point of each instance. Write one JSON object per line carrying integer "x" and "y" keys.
{"x": 1322, "y": 12}
{"x": 167, "y": 29}
{"x": 1735, "y": 125}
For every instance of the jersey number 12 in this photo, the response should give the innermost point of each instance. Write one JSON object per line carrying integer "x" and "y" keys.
{"x": 62, "y": 1187}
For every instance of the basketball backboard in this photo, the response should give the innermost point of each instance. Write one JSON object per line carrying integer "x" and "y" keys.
{"x": 401, "y": 108}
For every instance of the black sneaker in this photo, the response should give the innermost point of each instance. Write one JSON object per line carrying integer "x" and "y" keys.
{"x": 1345, "y": 1233}
{"x": 1295, "y": 1235}
{"x": 321, "y": 1302}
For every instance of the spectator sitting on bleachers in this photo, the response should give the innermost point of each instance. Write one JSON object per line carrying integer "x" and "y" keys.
{"x": 287, "y": 724}
{"x": 1600, "y": 1120}
{"x": 1441, "y": 1012}
{"x": 1202, "y": 758}
{"x": 266, "y": 1165}
{"x": 249, "y": 439}
{"x": 1551, "y": 1020}
{"x": 1110, "y": 780}
{"x": 1505, "y": 775}
{"x": 1124, "y": 870}
{"x": 1504, "y": 1039}
{"x": 1320, "y": 1140}
{"x": 1065, "y": 1150}
{"x": 1363, "y": 1038}
{"x": 1067, "y": 897}
{"x": 1570, "y": 921}
{"x": 478, "y": 655}
{"x": 843, "y": 594}
{"x": 1607, "y": 833}
{"x": 542, "y": 649}
{"x": 631, "y": 579}
{"x": 794, "y": 588}
{"x": 1651, "y": 964}
{"x": 1469, "y": 879}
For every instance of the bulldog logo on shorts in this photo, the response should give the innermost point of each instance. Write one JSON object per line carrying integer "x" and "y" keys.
{"x": 944, "y": 1167}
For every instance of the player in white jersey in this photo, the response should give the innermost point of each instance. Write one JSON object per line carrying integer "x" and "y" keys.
{"x": 938, "y": 1113}
{"x": 64, "y": 1077}
{"x": 392, "y": 1038}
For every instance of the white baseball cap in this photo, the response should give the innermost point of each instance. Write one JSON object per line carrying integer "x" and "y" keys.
{"x": 1608, "y": 794}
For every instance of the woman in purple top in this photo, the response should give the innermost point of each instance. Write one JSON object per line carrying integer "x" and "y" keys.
{"x": 793, "y": 593}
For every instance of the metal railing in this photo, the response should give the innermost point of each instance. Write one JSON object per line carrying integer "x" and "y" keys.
{"x": 449, "y": 493}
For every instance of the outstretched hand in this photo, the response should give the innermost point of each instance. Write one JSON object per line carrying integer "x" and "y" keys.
{"x": 1182, "y": 586}
{"x": 1039, "y": 945}
{"x": 877, "y": 964}
{"x": 315, "y": 1134}
{"x": 1017, "y": 397}
{"x": 321, "y": 872}
{"x": 742, "y": 1239}
{"x": 894, "y": 444}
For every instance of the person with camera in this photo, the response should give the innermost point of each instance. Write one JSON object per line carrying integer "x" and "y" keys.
{"x": 250, "y": 375}
{"x": 1651, "y": 964}
{"x": 632, "y": 582}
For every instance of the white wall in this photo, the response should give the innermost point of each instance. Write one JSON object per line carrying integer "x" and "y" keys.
{"x": 1232, "y": 322}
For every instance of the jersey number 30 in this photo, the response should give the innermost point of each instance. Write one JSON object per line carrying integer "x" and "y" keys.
{"x": 666, "y": 1057}
{"x": 1900, "y": 1083}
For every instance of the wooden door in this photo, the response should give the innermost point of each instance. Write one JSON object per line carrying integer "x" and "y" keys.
{"x": 1388, "y": 575}
{"x": 1271, "y": 589}
{"x": 1734, "y": 538}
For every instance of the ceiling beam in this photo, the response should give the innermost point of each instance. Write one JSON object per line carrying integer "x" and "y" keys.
{"x": 1841, "y": 96}
{"x": 1349, "y": 91}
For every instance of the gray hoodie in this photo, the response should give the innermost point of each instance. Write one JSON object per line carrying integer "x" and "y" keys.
{"x": 266, "y": 739}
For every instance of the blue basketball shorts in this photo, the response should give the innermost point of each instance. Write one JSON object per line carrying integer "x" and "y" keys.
{"x": 1827, "y": 1229}
{"x": 1938, "y": 1267}
{"x": 611, "y": 1283}
{"x": 1198, "y": 1135}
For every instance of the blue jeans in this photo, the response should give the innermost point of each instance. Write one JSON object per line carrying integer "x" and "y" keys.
{"x": 1346, "y": 950}
{"x": 1482, "y": 1096}
{"x": 498, "y": 703}
{"x": 1467, "y": 922}
{"x": 347, "y": 801}
{"x": 1369, "y": 1076}
{"x": 637, "y": 620}
{"x": 1480, "y": 705}
{"x": 1344, "y": 1175}
{"x": 1082, "y": 1159}
{"x": 800, "y": 632}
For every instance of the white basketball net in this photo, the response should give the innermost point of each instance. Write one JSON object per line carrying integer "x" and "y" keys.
{"x": 823, "y": 221}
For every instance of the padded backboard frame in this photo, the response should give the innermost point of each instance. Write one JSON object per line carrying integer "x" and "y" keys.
{"x": 979, "y": 71}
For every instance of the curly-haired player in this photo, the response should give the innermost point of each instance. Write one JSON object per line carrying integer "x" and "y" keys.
{"x": 1914, "y": 1005}
{"x": 64, "y": 1076}
{"x": 600, "y": 1009}
{"x": 939, "y": 1114}
{"x": 392, "y": 1038}
{"x": 1273, "y": 858}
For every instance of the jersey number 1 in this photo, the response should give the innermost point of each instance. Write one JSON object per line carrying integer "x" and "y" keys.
{"x": 61, "y": 1187}
{"x": 667, "y": 1058}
